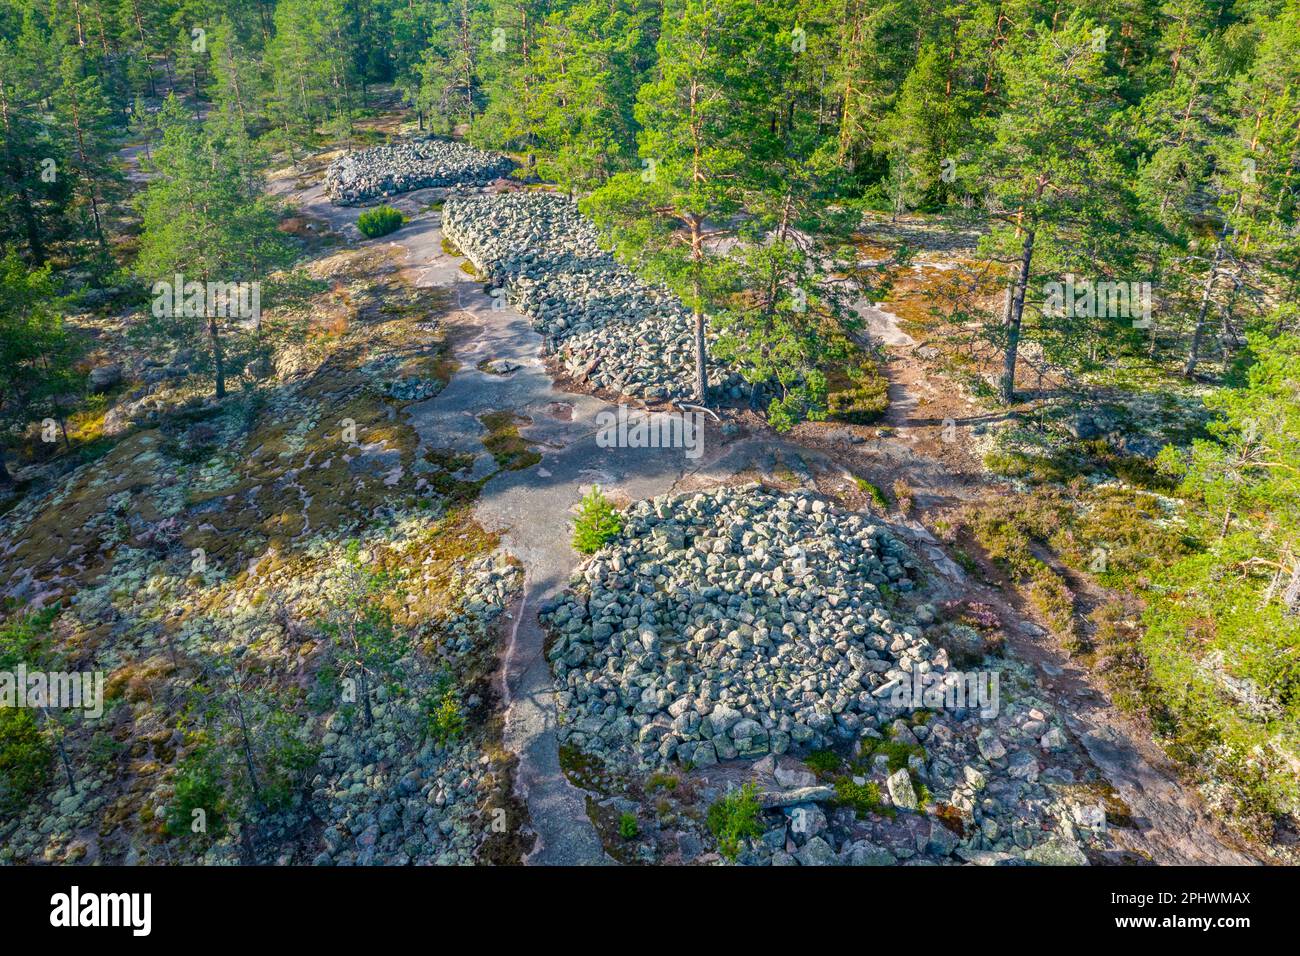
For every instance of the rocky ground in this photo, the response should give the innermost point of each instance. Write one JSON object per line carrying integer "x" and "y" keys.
{"x": 205, "y": 529}
{"x": 611, "y": 331}
{"x": 747, "y": 634}
{"x": 383, "y": 171}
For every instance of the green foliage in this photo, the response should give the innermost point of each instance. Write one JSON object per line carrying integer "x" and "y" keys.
{"x": 628, "y": 827}
{"x": 313, "y": 57}
{"x": 366, "y": 644}
{"x": 284, "y": 757}
{"x": 447, "y": 82}
{"x": 662, "y": 781}
{"x": 735, "y": 817}
{"x": 862, "y": 798}
{"x": 862, "y": 402}
{"x": 823, "y": 762}
{"x": 205, "y": 220}
{"x": 379, "y": 221}
{"x": 198, "y": 786}
{"x": 25, "y": 759}
{"x": 895, "y": 752}
{"x": 104, "y": 750}
{"x": 36, "y": 351}
{"x": 443, "y": 719}
{"x": 1222, "y": 624}
{"x": 1054, "y": 212}
{"x": 23, "y": 638}
{"x": 597, "y": 523}
{"x": 873, "y": 492}
{"x": 1051, "y": 596}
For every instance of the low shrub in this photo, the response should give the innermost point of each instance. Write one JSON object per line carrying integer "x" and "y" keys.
{"x": 861, "y": 798}
{"x": 863, "y": 400}
{"x": 734, "y": 818}
{"x": 873, "y": 492}
{"x": 628, "y": 828}
{"x": 379, "y": 221}
{"x": 443, "y": 718}
{"x": 25, "y": 759}
{"x": 823, "y": 761}
{"x": 597, "y": 523}
{"x": 904, "y": 496}
{"x": 199, "y": 800}
{"x": 1053, "y": 599}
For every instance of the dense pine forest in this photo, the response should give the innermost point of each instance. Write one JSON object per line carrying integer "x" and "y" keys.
{"x": 1018, "y": 277}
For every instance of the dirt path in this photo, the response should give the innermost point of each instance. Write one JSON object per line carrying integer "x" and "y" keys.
{"x": 931, "y": 450}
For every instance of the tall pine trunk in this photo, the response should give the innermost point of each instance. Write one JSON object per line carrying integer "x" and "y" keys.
{"x": 1198, "y": 330}
{"x": 1016, "y": 312}
{"x": 1291, "y": 596}
{"x": 701, "y": 355}
{"x": 218, "y": 360}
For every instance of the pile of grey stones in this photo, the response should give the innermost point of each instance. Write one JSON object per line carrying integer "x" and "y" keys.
{"x": 388, "y": 794}
{"x": 754, "y": 627}
{"x": 388, "y": 170}
{"x": 613, "y": 331}
{"x": 731, "y": 624}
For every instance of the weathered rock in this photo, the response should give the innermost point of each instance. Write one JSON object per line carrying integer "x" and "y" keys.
{"x": 1057, "y": 852}
{"x": 901, "y": 791}
{"x": 772, "y": 800}
{"x": 105, "y": 377}
{"x": 816, "y": 852}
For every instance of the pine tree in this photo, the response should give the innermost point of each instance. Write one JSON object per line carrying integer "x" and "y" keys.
{"x": 697, "y": 117}
{"x": 34, "y": 196}
{"x": 450, "y": 70}
{"x": 1050, "y": 173}
{"x": 89, "y": 125}
{"x": 201, "y": 221}
{"x": 36, "y": 352}
{"x": 1256, "y": 170}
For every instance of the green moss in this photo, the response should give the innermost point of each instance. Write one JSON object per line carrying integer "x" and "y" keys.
{"x": 824, "y": 762}
{"x": 873, "y": 492}
{"x": 512, "y": 451}
{"x": 862, "y": 798}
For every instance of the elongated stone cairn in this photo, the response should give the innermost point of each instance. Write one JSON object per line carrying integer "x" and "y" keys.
{"x": 613, "y": 330}
{"x": 389, "y": 170}
{"x": 733, "y": 623}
